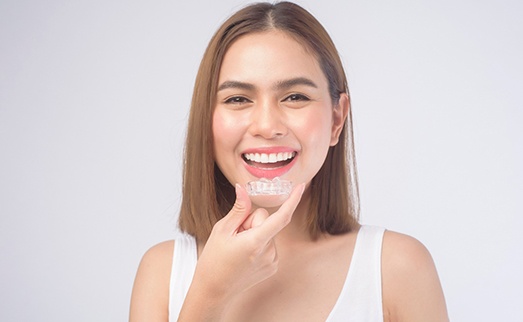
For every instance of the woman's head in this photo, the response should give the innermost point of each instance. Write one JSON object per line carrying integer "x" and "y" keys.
{"x": 207, "y": 194}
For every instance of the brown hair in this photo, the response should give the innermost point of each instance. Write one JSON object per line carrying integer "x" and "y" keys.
{"x": 207, "y": 195}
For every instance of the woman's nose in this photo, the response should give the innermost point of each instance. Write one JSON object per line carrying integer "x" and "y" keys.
{"x": 268, "y": 121}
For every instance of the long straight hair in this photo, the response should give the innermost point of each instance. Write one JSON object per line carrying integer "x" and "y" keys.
{"x": 207, "y": 195}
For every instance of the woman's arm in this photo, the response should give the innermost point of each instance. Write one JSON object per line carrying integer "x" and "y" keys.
{"x": 150, "y": 297}
{"x": 411, "y": 287}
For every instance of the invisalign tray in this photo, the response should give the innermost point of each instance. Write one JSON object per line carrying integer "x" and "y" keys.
{"x": 267, "y": 193}
{"x": 266, "y": 187}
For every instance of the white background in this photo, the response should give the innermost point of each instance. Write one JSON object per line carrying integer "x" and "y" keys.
{"x": 94, "y": 98}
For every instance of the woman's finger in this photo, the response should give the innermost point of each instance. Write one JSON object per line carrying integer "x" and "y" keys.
{"x": 255, "y": 219}
{"x": 281, "y": 218}
{"x": 239, "y": 212}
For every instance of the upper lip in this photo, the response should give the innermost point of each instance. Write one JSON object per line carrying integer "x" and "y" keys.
{"x": 274, "y": 149}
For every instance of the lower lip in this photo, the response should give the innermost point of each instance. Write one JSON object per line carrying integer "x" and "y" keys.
{"x": 270, "y": 173}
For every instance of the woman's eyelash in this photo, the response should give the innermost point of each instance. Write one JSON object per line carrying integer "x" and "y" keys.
{"x": 244, "y": 100}
{"x": 296, "y": 97}
{"x": 237, "y": 100}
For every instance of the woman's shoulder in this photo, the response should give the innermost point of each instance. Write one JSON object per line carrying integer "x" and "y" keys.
{"x": 411, "y": 286}
{"x": 160, "y": 251}
{"x": 150, "y": 295}
{"x": 158, "y": 258}
{"x": 402, "y": 251}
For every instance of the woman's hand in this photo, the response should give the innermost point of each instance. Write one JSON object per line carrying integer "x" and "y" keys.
{"x": 239, "y": 254}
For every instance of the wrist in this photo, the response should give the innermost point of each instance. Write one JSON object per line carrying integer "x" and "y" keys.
{"x": 205, "y": 301}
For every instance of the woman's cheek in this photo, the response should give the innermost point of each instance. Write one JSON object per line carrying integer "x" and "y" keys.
{"x": 317, "y": 126}
{"x": 228, "y": 128}
{"x": 221, "y": 124}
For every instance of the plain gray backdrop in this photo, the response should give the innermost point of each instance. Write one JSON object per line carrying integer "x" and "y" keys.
{"x": 94, "y": 98}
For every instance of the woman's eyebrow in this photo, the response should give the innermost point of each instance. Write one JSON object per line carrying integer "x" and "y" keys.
{"x": 288, "y": 83}
{"x": 280, "y": 85}
{"x": 235, "y": 84}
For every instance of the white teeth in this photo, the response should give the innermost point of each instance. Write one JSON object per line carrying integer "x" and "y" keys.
{"x": 269, "y": 157}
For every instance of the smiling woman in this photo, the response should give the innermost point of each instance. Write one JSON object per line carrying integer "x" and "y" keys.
{"x": 277, "y": 109}
{"x": 271, "y": 101}
{"x": 334, "y": 188}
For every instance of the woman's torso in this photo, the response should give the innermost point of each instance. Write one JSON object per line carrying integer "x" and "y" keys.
{"x": 316, "y": 281}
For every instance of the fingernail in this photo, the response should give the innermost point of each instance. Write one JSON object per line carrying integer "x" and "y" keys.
{"x": 237, "y": 188}
{"x": 302, "y": 187}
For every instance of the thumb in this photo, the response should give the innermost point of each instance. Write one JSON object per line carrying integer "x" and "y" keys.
{"x": 259, "y": 216}
{"x": 255, "y": 219}
{"x": 240, "y": 210}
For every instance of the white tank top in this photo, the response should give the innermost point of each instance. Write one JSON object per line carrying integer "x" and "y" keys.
{"x": 359, "y": 301}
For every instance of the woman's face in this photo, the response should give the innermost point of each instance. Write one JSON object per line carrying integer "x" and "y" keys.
{"x": 273, "y": 115}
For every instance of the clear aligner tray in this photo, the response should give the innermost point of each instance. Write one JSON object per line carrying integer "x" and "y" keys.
{"x": 266, "y": 187}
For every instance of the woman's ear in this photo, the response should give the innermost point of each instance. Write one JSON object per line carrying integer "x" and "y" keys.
{"x": 339, "y": 115}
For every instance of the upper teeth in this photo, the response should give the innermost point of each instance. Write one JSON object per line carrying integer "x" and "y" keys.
{"x": 269, "y": 157}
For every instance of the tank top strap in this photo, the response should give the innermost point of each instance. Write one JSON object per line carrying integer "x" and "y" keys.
{"x": 182, "y": 271}
{"x": 361, "y": 297}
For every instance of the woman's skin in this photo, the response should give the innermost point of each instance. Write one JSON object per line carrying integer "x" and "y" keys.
{"x": 261, "y": 264}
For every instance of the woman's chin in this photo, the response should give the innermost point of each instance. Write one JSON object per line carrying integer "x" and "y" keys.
{"x": 268, "y": 201}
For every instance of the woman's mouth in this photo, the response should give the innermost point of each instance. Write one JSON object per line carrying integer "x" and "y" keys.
{"x": 269, "y": 164}
{"x": 269, "y": 160}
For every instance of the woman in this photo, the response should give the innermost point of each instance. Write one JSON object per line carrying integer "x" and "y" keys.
{"x": 271, "y": 100}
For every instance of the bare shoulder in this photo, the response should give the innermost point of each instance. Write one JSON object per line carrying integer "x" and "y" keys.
{"x": 411, "y": 287}
{"x": 150, "y": 297}
{"x": 402, "y": 252}
{"x": 161, "y": 253}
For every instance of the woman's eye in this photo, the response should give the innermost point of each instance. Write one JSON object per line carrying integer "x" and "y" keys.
{"x": 296, "y": 98}
{"x": 237, "y": 100}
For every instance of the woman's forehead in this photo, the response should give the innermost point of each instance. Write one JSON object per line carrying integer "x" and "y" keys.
{"x": 271, "y": 56}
